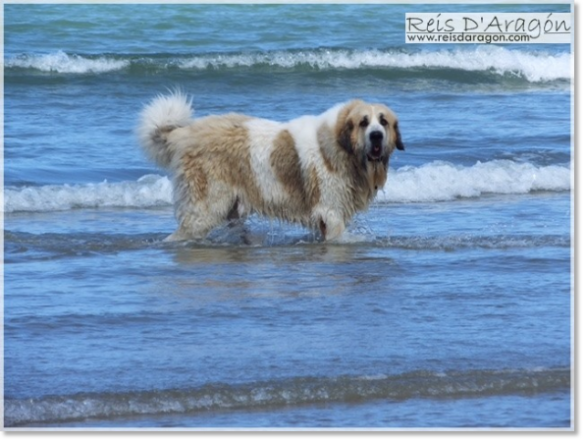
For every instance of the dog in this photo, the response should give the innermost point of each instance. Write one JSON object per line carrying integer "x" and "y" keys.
{"x": 316, "y": 170}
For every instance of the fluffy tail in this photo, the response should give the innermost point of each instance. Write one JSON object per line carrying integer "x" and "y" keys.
{"x": 157, "y": 120}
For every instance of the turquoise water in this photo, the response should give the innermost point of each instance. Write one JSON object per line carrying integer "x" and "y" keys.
{"x": 447, "y": 304}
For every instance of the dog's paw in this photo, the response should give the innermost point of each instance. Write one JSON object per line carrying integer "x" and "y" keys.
{"x": 334, "y": 227}
{"x": 178, "y": 235}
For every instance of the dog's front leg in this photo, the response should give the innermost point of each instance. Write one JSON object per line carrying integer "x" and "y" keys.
{"x": 331, "y": 225}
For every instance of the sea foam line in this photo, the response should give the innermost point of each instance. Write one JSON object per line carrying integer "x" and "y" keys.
{"x": 431, "y": 182}
{"x": 442, "y": 181}
{"x": 532, "y": 66}
{"x": 62, "y": 63}
{"x": 148, "y": 191}
{"x": 281, "y": 393}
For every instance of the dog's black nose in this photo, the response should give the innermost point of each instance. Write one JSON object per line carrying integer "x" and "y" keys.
{"x": 376, "y": 135}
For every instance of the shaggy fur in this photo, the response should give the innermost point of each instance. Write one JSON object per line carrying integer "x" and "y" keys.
{"x": 314, "y": 170}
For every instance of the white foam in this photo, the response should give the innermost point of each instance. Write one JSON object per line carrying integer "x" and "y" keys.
{"x": 534, "y": 67}
{"x": 63, "y": 63}
{"x": 441, "y": 181}
{"x": 148, "y": 191}
{"x": 432, "y": 182}
{"x": 277, "y": 394}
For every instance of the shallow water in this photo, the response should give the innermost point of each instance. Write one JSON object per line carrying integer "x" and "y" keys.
{"x": 288, "y": 321}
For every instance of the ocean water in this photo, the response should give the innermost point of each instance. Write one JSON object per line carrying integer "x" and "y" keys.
{"x": 448, "y": 304}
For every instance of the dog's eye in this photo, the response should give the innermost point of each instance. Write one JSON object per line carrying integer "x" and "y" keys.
{"x": 364, "y": 122}
{"x": 383, "y": 121}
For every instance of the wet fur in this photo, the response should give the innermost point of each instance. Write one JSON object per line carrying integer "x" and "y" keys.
{"x": 314, "y": 170}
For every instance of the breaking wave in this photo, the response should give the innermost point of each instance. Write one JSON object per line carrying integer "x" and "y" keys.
{"x": 432, "y": 182}
{"x": 281, "y": 393}
{"x": 491, "y": 61}
{"x": 148, "y": 191}
{"x": 442, "y": 181}
{"x": 63, "y": 63}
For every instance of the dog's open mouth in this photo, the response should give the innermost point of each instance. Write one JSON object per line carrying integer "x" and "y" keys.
{"x": 375, "y": 153}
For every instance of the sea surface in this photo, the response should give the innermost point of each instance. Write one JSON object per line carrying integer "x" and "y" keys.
{"x": 448, "y": 304}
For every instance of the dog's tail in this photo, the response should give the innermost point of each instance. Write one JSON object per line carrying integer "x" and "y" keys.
{"x": 158, "y": 119}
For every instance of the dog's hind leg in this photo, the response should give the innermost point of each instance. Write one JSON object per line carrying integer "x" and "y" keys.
{"x": 199, "y": 207}
{"x": 178, "y": 235}
{"x": 192, "y": 228}
{"x": 195, "y": 219}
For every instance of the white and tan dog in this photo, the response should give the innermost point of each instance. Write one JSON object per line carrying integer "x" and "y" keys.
{"x": 314, "y": 170}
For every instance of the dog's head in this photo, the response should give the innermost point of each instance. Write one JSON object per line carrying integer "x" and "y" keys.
{"x": 368, "y": 131}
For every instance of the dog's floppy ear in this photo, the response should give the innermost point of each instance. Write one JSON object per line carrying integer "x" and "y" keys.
{"x": 345, "y": 126}
{"x": 398, "y": 142}
{"x": 344, "y": 136}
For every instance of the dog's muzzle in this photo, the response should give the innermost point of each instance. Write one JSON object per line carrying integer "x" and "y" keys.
{"x": 376, "y": 149}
